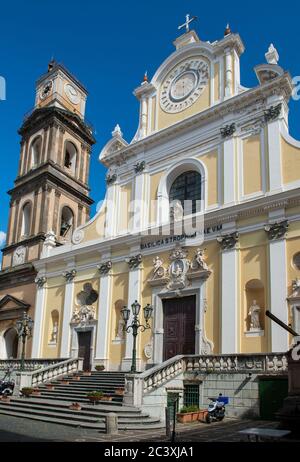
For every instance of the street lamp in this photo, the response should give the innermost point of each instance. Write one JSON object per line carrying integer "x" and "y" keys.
{"x": 24, "y": 328}
{"x": 135, "y": 325}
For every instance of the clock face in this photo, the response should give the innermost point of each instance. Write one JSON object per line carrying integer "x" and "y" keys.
{"x": 19, "y": 256}
{"x": 72, "y": 94}
{"x": 184, "y": 84}
{"x": 46, "y": 90}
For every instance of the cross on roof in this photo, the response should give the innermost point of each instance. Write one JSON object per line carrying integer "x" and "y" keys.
{"x": 188, "y": 20}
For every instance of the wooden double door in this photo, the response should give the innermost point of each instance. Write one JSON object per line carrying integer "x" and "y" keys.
{"x": 179, "y": 326}
{"x": 84, "y": 348}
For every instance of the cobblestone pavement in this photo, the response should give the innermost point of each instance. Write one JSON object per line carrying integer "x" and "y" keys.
{"x": 14, "y": 429}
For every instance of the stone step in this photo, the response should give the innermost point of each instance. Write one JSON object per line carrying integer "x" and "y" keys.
{"x": 80, "y": 398}
{"x": 68, "y": 392}
{"x": 93, "y": 410}
{"x": 63, "y": 419}
{"x": 82, "y": 416}
{"x": 102, "y": 407}
{"x": 88, "y": 384}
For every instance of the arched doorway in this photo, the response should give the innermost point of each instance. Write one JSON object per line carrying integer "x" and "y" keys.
{"x": 11, "y": 341}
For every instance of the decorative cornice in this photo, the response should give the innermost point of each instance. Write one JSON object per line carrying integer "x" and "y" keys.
{"x": 277, "y": 230}
{"x": 134, "y": 261}
{"x": 104, "y": 268}
{"x": 228, "y": 241}
{"x": 69, "y": 275}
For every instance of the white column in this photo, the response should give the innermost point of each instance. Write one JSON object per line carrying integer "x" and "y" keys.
{"x": 229, "y": 301}
{"x": 111, "y": 209}
{"x": 65, "y": 350}
{"x": 134, "y": 293}
{"x": 143, "y": 131}
{"x": 274, "y": 154}
{"x": 141, "y": 204}
{"x": 39, "y": 313}
{"x": 104, "y": 311}
{"x": 278, "y": 294}
{"x": 229, "y": 176}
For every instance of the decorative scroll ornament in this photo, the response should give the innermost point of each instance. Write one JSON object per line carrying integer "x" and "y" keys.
{"x": 134, "y": 261}
{"x": 228, "y": 241}
{"x": 180, "y": 271}
{"x": 198, "y": 262}
{"x": 85, "y": 312}
{"x": 69, "y": 275}
{"x": 272, "y": 113}
{"x": 228, "y": 130}
{"x": 83, "y": 315}
{"x": 277, "y": 230}
{"x": 78, "y": 236}
{"x": 158, "y": 270}
{"x": 139, "y": 167}
{"x": 40, "y": 281}
{"x": 105, "y": 267}
{"x": 295, "y": 288}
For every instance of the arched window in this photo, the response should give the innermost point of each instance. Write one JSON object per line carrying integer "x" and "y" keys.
{"x": 186, "y": 191}
{"x": 26, "y": 220}
{"x": 70, "y": 156}
{"x": 66, "y": 222}
{"x": 36, "y": 149}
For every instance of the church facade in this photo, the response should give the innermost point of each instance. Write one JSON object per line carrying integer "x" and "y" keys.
{"x": 201, "y": 220}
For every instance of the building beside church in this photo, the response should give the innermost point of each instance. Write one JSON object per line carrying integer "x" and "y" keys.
{"x": 221, "y": 154}
{"x": 50, "y": 192}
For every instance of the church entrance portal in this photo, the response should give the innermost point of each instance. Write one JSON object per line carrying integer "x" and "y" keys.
{"x": 179, "y": 326}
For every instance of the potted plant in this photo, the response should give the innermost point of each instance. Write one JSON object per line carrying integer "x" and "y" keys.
{"x": 75, "y": 407}
{"x": 106, "y": 398}
{"x": 49, "y": 386}
{"x": 188, "y": 414}
{"x": 100, "y": 367}
{"x": 120, "y": 391}
{"x": 36, "y": 392}
{"x": 5, "y": 398}
{"x": 202, "y": 415}
{"x": 87, "y": 373}
{"x": 27, "y": 391}
{"x": 64, "y": 382}
{"x": 94, "y": 396}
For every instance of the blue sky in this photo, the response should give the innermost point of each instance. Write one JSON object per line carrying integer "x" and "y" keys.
{"x": 108, "y": 46}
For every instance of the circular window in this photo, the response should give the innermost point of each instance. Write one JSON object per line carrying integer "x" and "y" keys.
{"x": 296, "y": 260}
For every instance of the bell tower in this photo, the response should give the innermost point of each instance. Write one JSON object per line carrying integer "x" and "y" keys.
{"x": 51, "y": 190}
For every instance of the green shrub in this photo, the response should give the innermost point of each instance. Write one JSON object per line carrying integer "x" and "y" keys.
{"x": 186, "y": 409}
{"x": 95, "y": 394}
{"x": 27, "y": 391}
{"x": 100, "y": 367}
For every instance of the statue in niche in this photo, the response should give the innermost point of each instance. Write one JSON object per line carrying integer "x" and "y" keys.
{"x": 54, "y": 333}
{"x": 254, "y": 311}
{"x": 120, "y": 330}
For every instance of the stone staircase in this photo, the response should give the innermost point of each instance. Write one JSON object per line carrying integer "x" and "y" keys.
{"x": 53, "y": 405}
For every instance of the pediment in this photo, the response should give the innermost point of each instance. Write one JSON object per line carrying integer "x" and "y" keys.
{"x": 12, "y": 307}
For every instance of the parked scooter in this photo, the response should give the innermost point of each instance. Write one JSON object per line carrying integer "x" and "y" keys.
{"x": 7, "y": 384}
{"x": 216, "y": 409}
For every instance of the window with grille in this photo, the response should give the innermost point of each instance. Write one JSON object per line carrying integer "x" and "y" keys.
{"x": 187, "y": 187}
{"x": 191, "y": 395}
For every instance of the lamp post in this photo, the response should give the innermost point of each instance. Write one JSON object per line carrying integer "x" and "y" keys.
{"x": 24, "y": 328}
{"x": 136, "y": 325}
